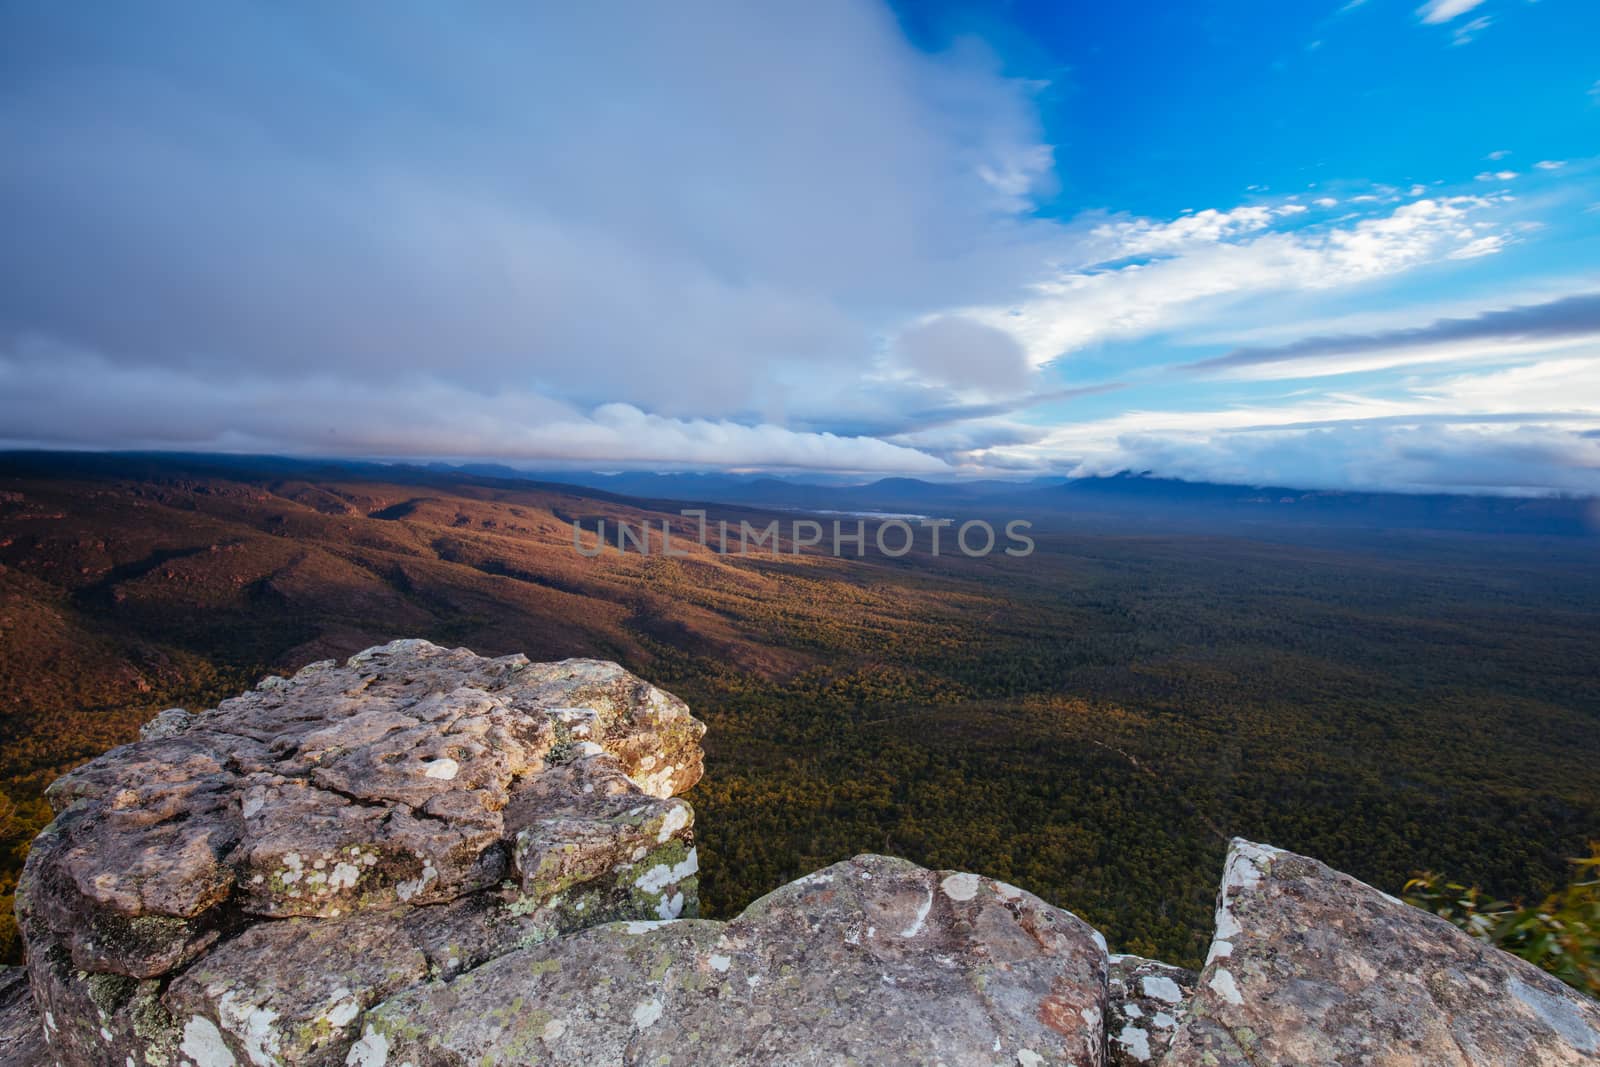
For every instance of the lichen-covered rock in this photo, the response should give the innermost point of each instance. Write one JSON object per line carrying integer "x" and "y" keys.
{"x": 870, "y": 961}
{"x": 246, "y": 878}
{"x": 1148, "y": 1001}
{"x": 21, "y": 1028}
{"x": 427, "y": 857}
{"x": 1310, "y": 966}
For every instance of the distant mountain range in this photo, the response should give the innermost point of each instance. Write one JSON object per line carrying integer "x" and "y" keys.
{"x": 1127, "y": 497}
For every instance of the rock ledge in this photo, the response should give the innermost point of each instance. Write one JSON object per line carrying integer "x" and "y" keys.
{"x": 425, "y": 857}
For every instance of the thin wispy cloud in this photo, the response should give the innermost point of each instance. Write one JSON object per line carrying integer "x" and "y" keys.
{"x": 1538, "y": 327}
{"x": 1437, "y": 11}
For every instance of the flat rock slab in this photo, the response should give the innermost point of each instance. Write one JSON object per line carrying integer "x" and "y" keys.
{"x": 1310, "y": 966}
{"x": 870, "y": 961}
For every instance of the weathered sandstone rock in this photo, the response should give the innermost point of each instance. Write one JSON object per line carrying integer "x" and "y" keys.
{"x": 268, "y": 869}
{"x": 1310, "y": 966}
{"x": 870, "y": 961}
{"x": 429, "y": 858}
{"x": 1148, "y": 1001}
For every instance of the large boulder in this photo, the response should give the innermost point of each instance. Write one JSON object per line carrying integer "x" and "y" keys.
{"x": 253, "y": 877}
{"x": 870, "y": 961}
{"x": 1310, "y": 966}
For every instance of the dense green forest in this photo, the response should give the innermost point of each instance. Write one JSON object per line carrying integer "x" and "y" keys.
{"x": 1090, "y": 722}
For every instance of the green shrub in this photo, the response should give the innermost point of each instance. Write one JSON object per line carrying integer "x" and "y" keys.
{"x": 1560, "y": 934}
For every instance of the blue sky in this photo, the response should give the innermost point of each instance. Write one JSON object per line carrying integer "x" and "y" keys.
{"x": 1301, "y": 243}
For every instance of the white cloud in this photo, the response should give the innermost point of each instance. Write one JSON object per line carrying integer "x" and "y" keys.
{"x": 1221, "y": 256}
{"x": 1523, "y": 429}
{"x": 1142, "y": 237}
{"x": 649, "y": 213}
{"x": 402, "y": 417}
{"x": 1437, "y": 11}
{"x": 1486, "y": 245}
{"x": 1468, "y": 32}
{"x": 1497, "y": 175}
{"x": 1551, "y": 164}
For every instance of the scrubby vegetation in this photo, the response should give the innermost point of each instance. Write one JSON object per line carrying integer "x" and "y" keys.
{"x": 1560, "y": 933}
{"x": 1091, "y": 722}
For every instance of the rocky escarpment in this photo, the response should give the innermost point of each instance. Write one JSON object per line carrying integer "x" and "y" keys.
{"x": 427, "y": 857}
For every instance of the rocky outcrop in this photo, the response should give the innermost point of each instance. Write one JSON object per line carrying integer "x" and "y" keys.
{"x": 265, "y": 871}
{"x": 1311, "y": 966}
{"x": 424, "y": 857}
{"x": 872, "y": 961}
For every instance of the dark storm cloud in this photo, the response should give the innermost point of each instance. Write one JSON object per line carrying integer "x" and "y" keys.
{"x": 518, "y": 207}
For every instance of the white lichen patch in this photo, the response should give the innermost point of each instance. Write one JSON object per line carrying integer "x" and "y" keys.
{"x": 646, "y": 1013}
{"x": 251, "y": 1025}
{"x": 1223, "y": 985}
{"x": 720, "y": 964}
{"x": 660, "y": 876}
{"x": 915, "y": 926}
{"x": 1247, "y": 864}
{"x": 1135, "y": 1042}
{"x": 344, "y": 1012}
{"x": 1029, "y": 1058}
{"x": 203, "y": 1044}
{"x": 676, "y": 820}
{"x": 644, "y": 926}
{"x": 371, "y": 1051}
{"x": 344, "y": 876}
{"x": 1007, "y": 891}
{"x": 960, "y": 886}
{"x": 670, "y": 907}
{"x": 408, "y": 889}
{"x": 553, "y": 1029}
{"x": 1161, "y": 988}
{"x": 445, "y": 769}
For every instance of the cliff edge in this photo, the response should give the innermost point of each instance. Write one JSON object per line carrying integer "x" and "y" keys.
{"x": 428, "y": 857}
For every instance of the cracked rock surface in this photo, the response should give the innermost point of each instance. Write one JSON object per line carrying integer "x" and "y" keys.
{"x": 250, "y": 879}
{"x": 426, "y": 857}
{"x": 1310, "y": 966}
{"x": 872, "y": 961}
